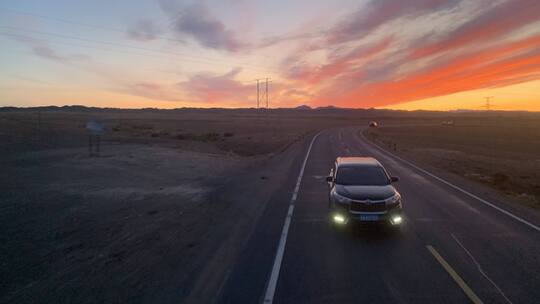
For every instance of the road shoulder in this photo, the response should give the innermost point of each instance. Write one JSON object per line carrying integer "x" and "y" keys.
{"x": 476, "y": 188}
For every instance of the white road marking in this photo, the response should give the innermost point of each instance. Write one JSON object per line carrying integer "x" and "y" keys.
{"x": 274, "y": 275}
{"x": 466, "y": 289}
{"x": 480, "y": 268}
{"x": 510, "y": 214}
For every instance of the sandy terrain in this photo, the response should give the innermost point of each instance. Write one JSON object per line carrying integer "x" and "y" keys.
{"x": 158, "y": 214}
{"x": 502, "y": 152}
{"x": 241, "y": 132}
{"x": 69, "y": 220}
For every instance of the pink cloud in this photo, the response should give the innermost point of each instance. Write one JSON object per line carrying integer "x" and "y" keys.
{"x": 211, "y": 88}
{"x": 491, "y": 25}
{"x": 378, "y": 12}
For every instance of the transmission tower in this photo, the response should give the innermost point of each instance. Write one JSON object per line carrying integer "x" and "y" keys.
{"x": 262, "y": 95}
{"x": 488, "y": 103}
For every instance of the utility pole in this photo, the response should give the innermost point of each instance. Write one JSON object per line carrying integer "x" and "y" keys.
{"x": 488, "y": 103}
{"x": 257, "y": 93}
{"x": 266, "y": 93}
{"x": 492, "y": 150}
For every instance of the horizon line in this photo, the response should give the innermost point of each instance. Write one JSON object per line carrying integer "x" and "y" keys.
{"x": 300, "y": 107}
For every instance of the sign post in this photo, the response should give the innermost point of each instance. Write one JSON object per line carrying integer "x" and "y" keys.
{"x": 95, "y": 130}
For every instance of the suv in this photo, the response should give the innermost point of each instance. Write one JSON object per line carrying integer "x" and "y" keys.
{"x": 361, "y": 191}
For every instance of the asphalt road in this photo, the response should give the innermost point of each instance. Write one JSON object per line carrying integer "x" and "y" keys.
{"x": 452, "y": 247}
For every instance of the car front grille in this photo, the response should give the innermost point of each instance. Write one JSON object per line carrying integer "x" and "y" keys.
{"x": 365, "y": 207}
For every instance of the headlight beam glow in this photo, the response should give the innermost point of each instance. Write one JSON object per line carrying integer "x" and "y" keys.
{"x": 339, "y": 219}
{"x": 396, "y": 220}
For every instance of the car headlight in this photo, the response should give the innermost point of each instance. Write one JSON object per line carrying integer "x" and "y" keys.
{"x": 341, "y": 199}
{"x": 394, "y": 199}
{"x": 396, "y": 220}
{"x": 339, "y": 219}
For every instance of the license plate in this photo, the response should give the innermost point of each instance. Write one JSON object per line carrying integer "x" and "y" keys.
{"x": 369, "y": 218}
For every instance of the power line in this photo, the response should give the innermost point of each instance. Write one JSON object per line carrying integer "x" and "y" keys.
{"x": 193, "y": 58}
{"x": 67, "y": 21}
{"x": 79, "y": 45}
{"x": 99, "y": 27}
{"x": 101, "y": 49}
{"x": 266, "y": 93}
{"x": 260, "y": 95}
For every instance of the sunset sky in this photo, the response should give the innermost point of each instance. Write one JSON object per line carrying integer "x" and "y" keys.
{"x": 423, "y": 54}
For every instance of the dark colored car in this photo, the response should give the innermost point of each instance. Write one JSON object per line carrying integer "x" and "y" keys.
{"x": 361, "y": 190}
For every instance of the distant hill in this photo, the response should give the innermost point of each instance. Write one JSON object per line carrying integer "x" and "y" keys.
{"x": 328, "y": 108}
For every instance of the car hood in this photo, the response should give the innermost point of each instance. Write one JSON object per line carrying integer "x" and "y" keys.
{"x": 361, "y": 193}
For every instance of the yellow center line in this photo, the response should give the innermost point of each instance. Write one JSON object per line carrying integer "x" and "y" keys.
{"x": 468, "y": 291}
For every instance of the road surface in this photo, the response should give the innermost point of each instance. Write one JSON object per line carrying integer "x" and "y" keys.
{"x": 453, "y": 248}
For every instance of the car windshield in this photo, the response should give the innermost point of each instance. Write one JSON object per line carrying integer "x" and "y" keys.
{"x": 362, "y": 175}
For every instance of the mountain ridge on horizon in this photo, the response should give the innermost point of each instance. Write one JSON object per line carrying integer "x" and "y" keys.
{"x": 306, "y": 108}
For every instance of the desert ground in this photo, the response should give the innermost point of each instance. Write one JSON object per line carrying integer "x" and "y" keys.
{"x": 160, "y": 214}
{"x": 500, "y": 151}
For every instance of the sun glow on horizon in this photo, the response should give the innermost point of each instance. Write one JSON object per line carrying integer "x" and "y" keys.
{"x": 523, "y": 96}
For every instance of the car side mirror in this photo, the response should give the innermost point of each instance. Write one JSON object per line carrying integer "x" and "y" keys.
{"x": 329, "y": 178}
{"x": 394, "y": 179}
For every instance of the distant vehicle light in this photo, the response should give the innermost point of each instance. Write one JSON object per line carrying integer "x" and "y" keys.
{"x": 396, "y": 220}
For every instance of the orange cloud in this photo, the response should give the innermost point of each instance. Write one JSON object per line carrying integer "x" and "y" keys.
{"x": 508, "y": 64}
